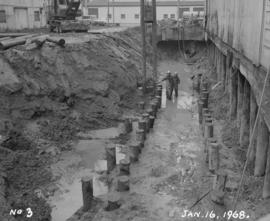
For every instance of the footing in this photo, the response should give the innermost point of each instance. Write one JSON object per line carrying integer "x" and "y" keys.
{"x": 123, "y": 184}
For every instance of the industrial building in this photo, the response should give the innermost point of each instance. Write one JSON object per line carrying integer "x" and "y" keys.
{"x": 22, "y": 14}
{"x": 128, "y": 11}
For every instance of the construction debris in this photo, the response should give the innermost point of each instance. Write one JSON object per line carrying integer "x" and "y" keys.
{"x": 6, "y": 43}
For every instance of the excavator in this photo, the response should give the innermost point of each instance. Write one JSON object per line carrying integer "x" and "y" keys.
{"x": 63, "y": 15}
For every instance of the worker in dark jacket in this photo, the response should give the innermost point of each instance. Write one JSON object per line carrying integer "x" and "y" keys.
{"x": 169, "y": 85}
{"x": 175, "y": 82}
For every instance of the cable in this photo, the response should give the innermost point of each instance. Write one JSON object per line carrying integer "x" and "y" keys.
{"x": 236, "y": 198}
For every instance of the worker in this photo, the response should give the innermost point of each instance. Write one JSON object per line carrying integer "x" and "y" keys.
{"x": 175, "y": 82}
{"x": 169, "y": 83}
{"x": 193, "y": 84}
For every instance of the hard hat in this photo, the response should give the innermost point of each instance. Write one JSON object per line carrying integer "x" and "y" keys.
{"x": 168, "y": 72}
{"x": 175, "y": 73}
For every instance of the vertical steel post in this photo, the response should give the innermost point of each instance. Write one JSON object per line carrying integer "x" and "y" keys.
{"x": 108, "y": 13}
{"x": 113, "y": 11}
{"x": 154, "y": 40}
{"x": 143, "y": 45}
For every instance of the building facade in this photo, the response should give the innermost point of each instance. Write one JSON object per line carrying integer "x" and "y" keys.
{"x": 128, "y": 11}
{"x": 22, "y": 14}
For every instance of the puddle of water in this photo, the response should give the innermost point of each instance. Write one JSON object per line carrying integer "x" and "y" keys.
{"x": 63, "y": 209}
{"x": 90, "y": 151}
{"x": 101, "y": 166}
{"x": 99, "y": 188}
{"x": 163, "y": 96}
{"x": 86, "y": 153}
{"x": 66, "y": 204}
{"x": 184, "y": 101}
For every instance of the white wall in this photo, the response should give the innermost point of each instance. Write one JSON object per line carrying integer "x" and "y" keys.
{"x": 30, "y": 6}
{"x": 166, "y": 10}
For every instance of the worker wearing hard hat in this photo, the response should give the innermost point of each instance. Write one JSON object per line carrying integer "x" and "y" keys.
{"x": 169, "y": 85}
{"x": 175, "y": 82}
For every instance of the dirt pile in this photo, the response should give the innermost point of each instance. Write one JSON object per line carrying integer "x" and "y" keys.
{"x": 51, "y": 93}
{"x": 91, "y": 77}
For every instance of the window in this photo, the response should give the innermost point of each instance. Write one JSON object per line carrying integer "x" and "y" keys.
{"x": 36, "y": 16}
{"x": 3, "y": 16}
{"x": 198, "y": 9}
{"x": 93, "y": 12}
{"x": 172, "y": 16}
{"x": 109, "y": 16}
{"x": 136, "y": 16}
{"x": 165, "y": 16}
{"x": 123, "y": 16}
{"x": 182, "y": 10}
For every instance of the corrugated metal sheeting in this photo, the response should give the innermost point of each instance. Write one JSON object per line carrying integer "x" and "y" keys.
{"x": 242, "y": 24}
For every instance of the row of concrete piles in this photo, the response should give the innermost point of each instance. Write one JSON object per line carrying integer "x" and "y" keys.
{"x": 210, "y": 142}
{"x": 243, "y": 109}
{"x": 119, "y": 157}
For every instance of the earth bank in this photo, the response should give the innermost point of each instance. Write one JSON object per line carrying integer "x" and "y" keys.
{"x": 50, "y": 94}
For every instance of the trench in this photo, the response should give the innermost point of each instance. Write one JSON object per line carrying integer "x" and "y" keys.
{"x": 90, "y": 148}
{"x": 171, "y": 173}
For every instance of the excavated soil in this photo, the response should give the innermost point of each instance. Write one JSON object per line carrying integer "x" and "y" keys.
{"x": 50, "y": 94}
